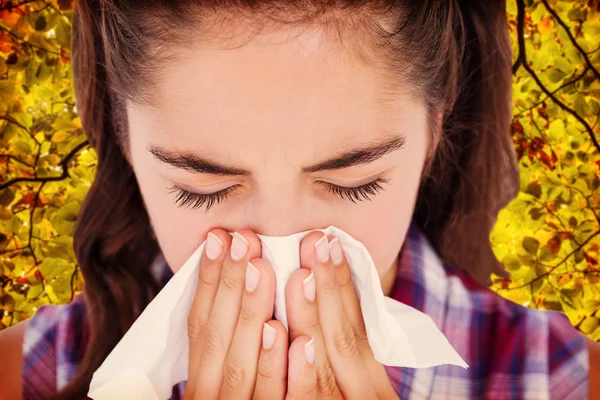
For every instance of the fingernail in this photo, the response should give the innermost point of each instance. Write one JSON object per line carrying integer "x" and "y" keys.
{"x": 309, "y": 287}
{"x": 309, "y": 351}
{"x": 322, "y": 249}
{"x": 252, "y": 277}
{"x": 239, "y": 246}
{"x": 269, "y": 335}
{"x": 335, "y": 251}
{"x": 214, "y": 246}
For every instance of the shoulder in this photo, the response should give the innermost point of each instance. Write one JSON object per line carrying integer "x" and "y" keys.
{"x": 11, "y": 342}
{"x": 539, "y": 347}
{"x": 53, "y": 345}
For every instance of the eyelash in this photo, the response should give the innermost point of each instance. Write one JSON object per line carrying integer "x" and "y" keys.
{"x": 193, "y": 200}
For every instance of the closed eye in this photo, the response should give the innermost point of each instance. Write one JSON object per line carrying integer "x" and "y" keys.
{"x": 187, "y": 199}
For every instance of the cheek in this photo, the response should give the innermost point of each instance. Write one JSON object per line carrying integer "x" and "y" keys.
{"x": 383, "y": 225}
{"x": 383, "y": 230}
{"x": 178, "y": 231}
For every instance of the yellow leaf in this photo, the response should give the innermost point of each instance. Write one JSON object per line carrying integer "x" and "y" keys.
{"x": 61, "y": 136}
{"x": 51, "y": 294}
{"x": 545, "y": 26}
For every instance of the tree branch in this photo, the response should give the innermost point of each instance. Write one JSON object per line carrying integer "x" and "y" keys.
{"x": 73, "y": 275}
{"x": 523, "y": 54}
{"x": 564, "y": 85}
{"x": 15, "y": 122}
{"x": 25, "y": 42}
{"x": 15, "y": 159}
{"x": 564, "y": 260}
{"x": 33, "y": 207}
{"x": 63, "y": 164}
{"x": 10, "y": 5}
{"x": 571, "y": 37}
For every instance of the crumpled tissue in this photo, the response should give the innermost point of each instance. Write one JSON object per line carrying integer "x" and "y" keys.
{"x": 152, "y": 356}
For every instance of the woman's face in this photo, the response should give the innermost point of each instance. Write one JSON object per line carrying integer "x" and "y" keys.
{"x": 274, "y": 122}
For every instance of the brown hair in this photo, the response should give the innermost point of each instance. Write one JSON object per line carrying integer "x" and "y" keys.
{"x": 456, "y": 54}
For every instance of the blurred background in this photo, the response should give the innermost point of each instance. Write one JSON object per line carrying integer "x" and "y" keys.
{"x": 548, "y": 237}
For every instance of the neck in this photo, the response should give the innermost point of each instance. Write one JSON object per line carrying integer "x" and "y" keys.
{"x": 387, "y": 281}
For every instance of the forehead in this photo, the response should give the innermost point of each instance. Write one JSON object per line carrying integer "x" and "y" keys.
{"x": 296, "y": 85}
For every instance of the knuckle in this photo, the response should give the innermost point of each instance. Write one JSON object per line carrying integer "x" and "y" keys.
{"x": 360, "y": 332}
{"x": 325, "y": 384}
{"x": 233, "y": 373}
{"x": 310, "y": 392}
{"x": 195, "y": 327}
{"x": 230, "y": 279}
{"x": 205, "y": 282}
{"x": 312, "y": 324}
{"x": 265, "y": 372}
{"x": 345, "y": 342}
{"x": 247, "y": 314}
{"x": 344, "y": 280}
{"x": 329, "y": 283}
{"x": 213, "y": 343}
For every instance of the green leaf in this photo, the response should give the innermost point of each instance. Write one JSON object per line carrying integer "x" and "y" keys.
{"x": 34, "y": 291}
{"x": 23, "y": 147}
{"x": 556, "y": 75}
{"x": 546, "y": 255}
{"x": 511, "y": 262}
{"x": 53, "y": 266}
{"x": 63, "y": 34}
{"x": 527, "y": 259}
{"x": 581, "y": 105}
{"x": 564, "y": 65}
{"x": 531, "y": 245}
{"x": 62, "y": 286}
{"x": 538, "y": 13}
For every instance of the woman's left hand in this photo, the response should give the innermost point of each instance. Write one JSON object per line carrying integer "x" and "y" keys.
{"x": 322, "y": 304}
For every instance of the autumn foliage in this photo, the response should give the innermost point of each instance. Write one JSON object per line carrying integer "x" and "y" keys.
{"x": 548, "y": 237}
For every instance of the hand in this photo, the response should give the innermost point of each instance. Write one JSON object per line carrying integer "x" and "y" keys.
{"x": 330, "y": 356}
{"x": 229, "y": 319}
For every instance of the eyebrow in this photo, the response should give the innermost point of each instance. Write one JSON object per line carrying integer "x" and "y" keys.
{"x": 349, "y": 158}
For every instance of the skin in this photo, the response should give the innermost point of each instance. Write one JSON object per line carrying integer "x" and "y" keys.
{"x": 299, "y": 99}
{"x": 329, "y": 355}
{"x": 317, "y": 103}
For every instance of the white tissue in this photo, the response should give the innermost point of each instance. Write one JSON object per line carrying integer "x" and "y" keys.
{"x": 153, "y": 355}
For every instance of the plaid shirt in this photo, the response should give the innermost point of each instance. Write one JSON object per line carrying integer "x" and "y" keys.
{"x": 513, "y": 352}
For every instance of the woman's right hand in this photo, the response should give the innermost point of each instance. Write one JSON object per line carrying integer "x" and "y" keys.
{"x": 236, "y": 350}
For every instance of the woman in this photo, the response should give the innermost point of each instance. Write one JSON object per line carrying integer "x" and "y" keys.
{"x": 389, "y": 120}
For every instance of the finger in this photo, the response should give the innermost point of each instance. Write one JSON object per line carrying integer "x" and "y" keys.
{"x": 272, "y": 371}
{"x": 219, "y": 329}
{"x": 216, "y": 247}
{"x": 341, "y": 346}
{"x": 301, "y": 370}
{"x": 304, "y": 321}
{"x": 351, "y": 304}
{"x": 257, "y": 307}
